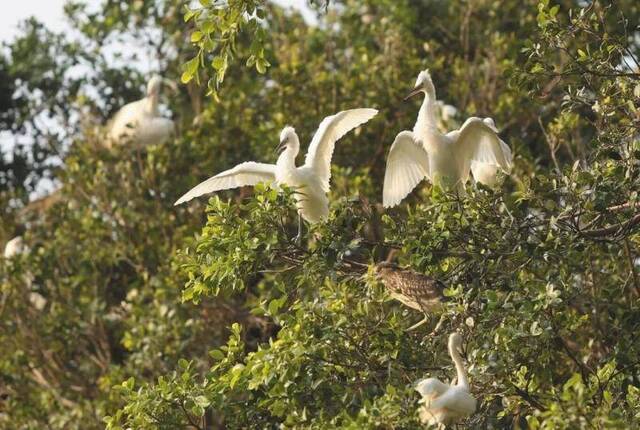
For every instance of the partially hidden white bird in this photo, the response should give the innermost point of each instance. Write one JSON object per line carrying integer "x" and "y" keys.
{"x": 443, "y": 159}
{"x": 445, "y": 404}
{"x": 14, "y": 247}
{"x": 310, "y": 181}
{"x": 140, "y": 122}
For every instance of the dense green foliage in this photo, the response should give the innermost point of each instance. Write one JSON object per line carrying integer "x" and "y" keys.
{"x": 209, "y": 316}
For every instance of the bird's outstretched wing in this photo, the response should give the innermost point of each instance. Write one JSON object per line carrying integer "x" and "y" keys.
{"x": 407, "y": 165}
{"x": 248, "y": 173}
{"x": 486, "y": 173}
{"x": 505, "y": 148}
{"x": 478, "y": 141}
{"x": 330, "y": 130}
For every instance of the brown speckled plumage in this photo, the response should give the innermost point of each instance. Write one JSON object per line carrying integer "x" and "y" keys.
{"x": 413, "y": 289}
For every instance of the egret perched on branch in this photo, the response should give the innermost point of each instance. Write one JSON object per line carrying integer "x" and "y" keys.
{"x": 415, "y": 290}
{"x": 140, "y": 122}
{"x": 15, "y": 247}
{"x": 310, "y": 181}
{"x": 443, "y": 403}
{"x": 444, "y": 159}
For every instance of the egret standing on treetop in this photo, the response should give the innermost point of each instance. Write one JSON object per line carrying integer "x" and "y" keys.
{"x": 310, "y": 181}
{"x": 443, "y": 403}
{"x": 140, "y": 122}
{"x": 444, "y": 159}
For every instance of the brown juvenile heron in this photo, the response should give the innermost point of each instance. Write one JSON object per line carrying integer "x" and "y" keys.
{"x": 415, "y": 290}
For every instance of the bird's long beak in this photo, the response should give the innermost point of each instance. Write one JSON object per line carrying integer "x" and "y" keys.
{"x": 415, "y": 91}
{"x": 281, "y": 146}
{"x": 170, "y": 84}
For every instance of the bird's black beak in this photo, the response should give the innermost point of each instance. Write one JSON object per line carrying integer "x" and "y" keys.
{"x": 416, "y": 90}
{"x": 281, "y": 146}
{"x": 170, "y": 84}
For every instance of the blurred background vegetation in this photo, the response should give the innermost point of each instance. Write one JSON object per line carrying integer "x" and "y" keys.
{"x": 129, "y": 313}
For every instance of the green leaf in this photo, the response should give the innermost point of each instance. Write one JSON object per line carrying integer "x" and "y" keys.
{"x": 218, "y": 62}
{"x": 216, "y": 354}
{"x": 261, "y": 66}
{"x": 196, "y": 36}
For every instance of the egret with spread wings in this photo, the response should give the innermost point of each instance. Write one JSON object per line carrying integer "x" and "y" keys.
{"x": 310, "y": 181}
{"x": 443, "y": 159}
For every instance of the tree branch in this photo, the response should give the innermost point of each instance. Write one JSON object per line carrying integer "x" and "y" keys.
{"x": 612, "y": 229}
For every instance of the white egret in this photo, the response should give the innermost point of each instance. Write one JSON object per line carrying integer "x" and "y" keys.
{"x": 446, "y": 115}
{"x": 310, "y": 181}
{"x": 447, "y": 112}
{"x": 14, "y": 247}
{"x": 444, "y": 159}
{"x": 443, "y": 403}
{"x": 415, "y": 290}
{"x": 140, "y": 122}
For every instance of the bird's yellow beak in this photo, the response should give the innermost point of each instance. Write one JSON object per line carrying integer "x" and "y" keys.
{"x": 415, "y": 91}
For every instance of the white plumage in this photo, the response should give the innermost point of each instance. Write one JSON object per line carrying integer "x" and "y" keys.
{"x": 310, "y": 181}
{"x": 443, "y": 403}
{"x": 444, "y": 159}
{"x": 14, "y": 247}
{"x": 487, "y": 173}
{"x": 140, "y": 122}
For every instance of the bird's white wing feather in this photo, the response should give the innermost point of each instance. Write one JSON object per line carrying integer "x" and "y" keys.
{"x": 507, "y": 153}
{"x": 505, "y": 148}
{"x": 478, "y": 141}
{"x": 456, "y": 400}
{"x": 330, "y": 130}
{"x": 154, "y": 131}
{"x": 431, "y": 388}
{"x": 487, "y": 173}
{"x": 126, "y": 120}
{"x": 248, "y": 173}
{"x": 407, "y": 165}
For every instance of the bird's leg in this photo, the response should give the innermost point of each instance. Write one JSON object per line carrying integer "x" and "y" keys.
{"x": 419, "y": 323}
{"x": 458, "y": 193}
{"x": 139, "y": 160}
{"x": 298, "y": 239}
{"x": 438, "y": 325}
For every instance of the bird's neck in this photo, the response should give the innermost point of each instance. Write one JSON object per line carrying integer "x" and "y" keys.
{"x": 426, "y": 121}
{"x": 460, "y": 370}
{"x": 152, "y": 102}
{"x": 287, "y": 160}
